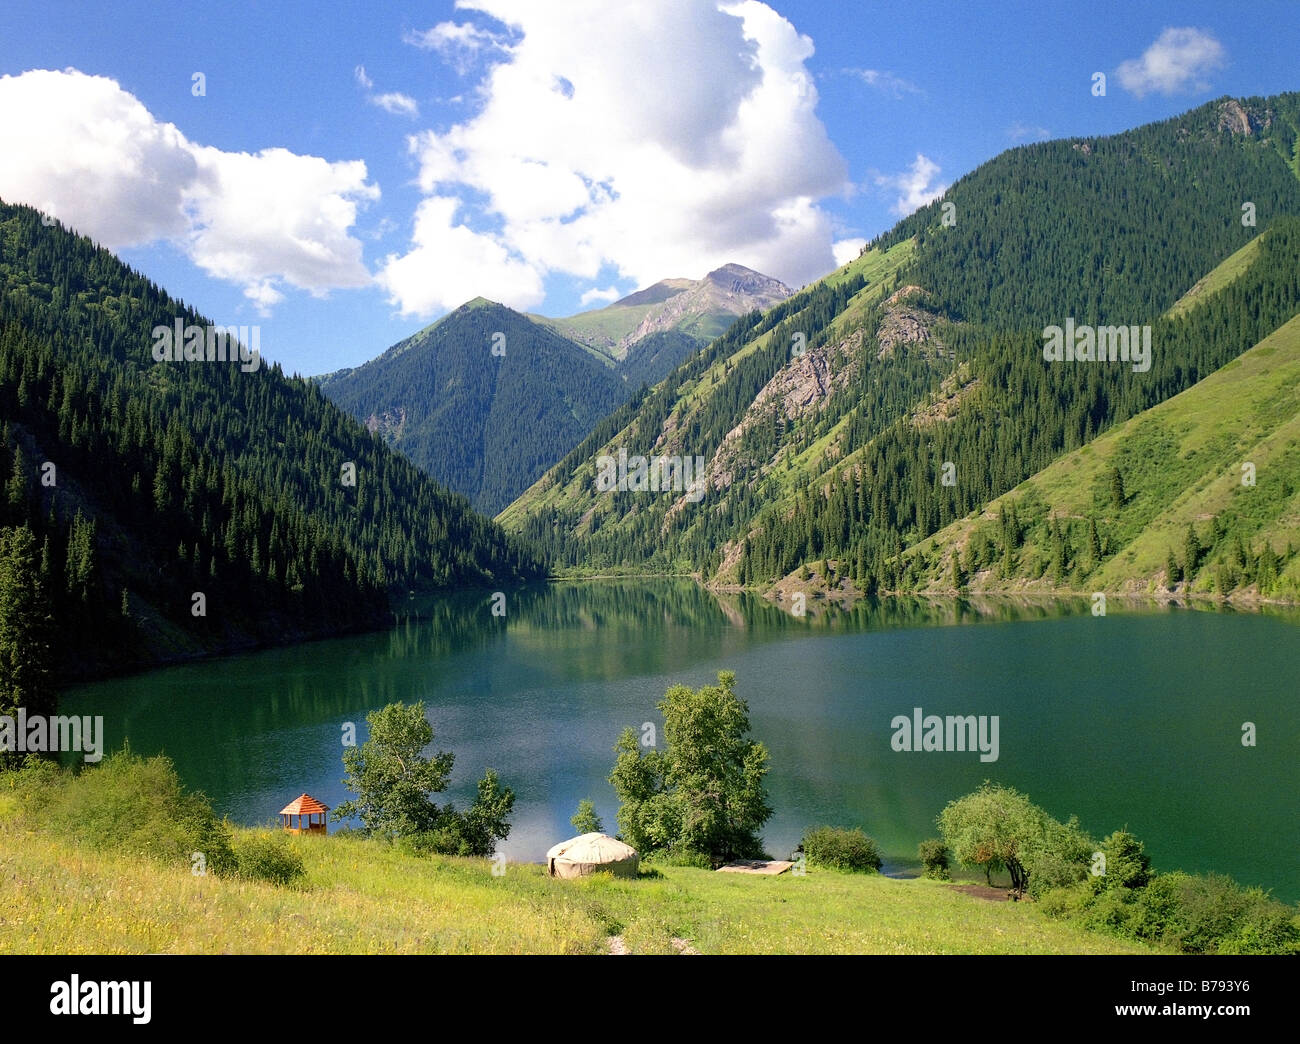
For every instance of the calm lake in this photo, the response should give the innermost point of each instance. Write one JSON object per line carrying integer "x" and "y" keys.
{"x": 1130, "y": 720}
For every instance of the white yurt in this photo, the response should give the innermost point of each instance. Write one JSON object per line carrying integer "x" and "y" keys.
{"x": 589, "y": 853}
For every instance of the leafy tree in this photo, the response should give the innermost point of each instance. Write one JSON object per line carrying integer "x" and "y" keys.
{"x": 391, "y": 776}
{"x": 585, "y": 820}
{"x": 486, "y": 821}
{"x": 998, "y": 828}
{"x": 1127, "y": 863}
{"x": 393, "y": 779}
{"x": 704, "y": 792}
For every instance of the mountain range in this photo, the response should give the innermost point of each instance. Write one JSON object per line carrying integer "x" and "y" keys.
{"x": 486, "y": 399}
{"x": 853, "y": 422}
{"x": 900, "y": 425}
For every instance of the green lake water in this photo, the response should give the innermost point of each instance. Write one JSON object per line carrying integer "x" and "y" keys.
{"x": 1129, "y": 720}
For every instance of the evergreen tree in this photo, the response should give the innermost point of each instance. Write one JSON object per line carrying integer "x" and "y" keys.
{"x": 1118, "y": 497}
{"x": 25, "y": 638}
{"x": 1191, "y": 553}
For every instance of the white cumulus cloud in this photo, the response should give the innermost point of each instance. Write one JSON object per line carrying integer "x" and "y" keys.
{"x": 448, "y": 263}
{"x": 917, "y": 185}
{"x": 88, "y": 152}
{"x": 1180, "y": 60}
{"x": 847, "y": 249}
{"x": 659, "y": 139}
{"x": 600, "y": 295}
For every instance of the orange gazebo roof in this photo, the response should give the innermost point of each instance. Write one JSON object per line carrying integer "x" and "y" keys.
{"x": 303, "y": 805}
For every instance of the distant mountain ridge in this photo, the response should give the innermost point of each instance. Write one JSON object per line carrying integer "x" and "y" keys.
{"x": 489, "y": 425}
{"x": 699, "y": 308}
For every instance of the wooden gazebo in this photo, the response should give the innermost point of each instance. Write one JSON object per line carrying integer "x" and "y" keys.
{"x": 304, "y": 805}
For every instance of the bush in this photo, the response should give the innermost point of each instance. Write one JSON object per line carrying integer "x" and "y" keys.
{"x": 1122, "y": 913}
{"x": 1070, "y": 902}
{"x": 1266, "y": 927}
{"x": 131, "y": 804}
{"x": 1216, "y": 915}
{"x": 934, "y": 857}
{"x": 1127, "y": 864}
{"x": 268, "y": 856}
{"x": 1061, "y": 858}
{"x": 838, "y": 849}
{"x": 1194, "y": 914}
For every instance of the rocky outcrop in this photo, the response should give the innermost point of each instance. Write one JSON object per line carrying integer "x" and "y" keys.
{"x": 389, "y": 424}
{"x": 1237, "y": 119}
{"x": 730, "y": 290}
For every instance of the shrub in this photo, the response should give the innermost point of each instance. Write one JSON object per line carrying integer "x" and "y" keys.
{"x": 1068, "y": 902}
{"x": 1060, "y": 858}
{"x": 133, "y": 804}
{"x": 934, "y": 857}
{"x": 838, "y": 849}
{"x": 1216, "y": 915}
{"x": 268, "y": 856}
{"x": 1127, "y": 864}
{"x": 1266, "y": 927}
{"x": 1119, "y": 912}
{"x": 1195, "y": 914}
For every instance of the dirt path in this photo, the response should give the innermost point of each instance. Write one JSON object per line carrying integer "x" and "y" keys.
{"x": 980, "y": 891}
{"x": 618, "y": 947}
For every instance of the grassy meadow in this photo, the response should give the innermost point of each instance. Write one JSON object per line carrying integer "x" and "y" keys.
{"x": 362, "y": 896}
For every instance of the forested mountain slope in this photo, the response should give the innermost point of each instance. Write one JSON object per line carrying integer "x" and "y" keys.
{"x": 133, "y": 486}
{"x": 826, "y": 422}
{"x": 1198, "y": 494}
{"x": 484, "y": 400}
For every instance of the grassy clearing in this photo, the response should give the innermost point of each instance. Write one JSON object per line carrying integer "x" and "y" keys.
{"x": 1222, "y": 275}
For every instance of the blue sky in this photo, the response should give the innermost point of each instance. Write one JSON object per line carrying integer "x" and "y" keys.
{"x": 352, "y": 171}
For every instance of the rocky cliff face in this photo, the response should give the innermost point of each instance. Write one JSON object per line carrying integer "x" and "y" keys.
{"x": 804, "y": 386}
{"x": 731, "y": 290}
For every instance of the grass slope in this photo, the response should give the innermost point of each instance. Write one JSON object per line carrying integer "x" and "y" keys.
{"x": 1225, "y": 273}
{"x": 367, "y": 897}
{"x": 1181, "y": 463}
